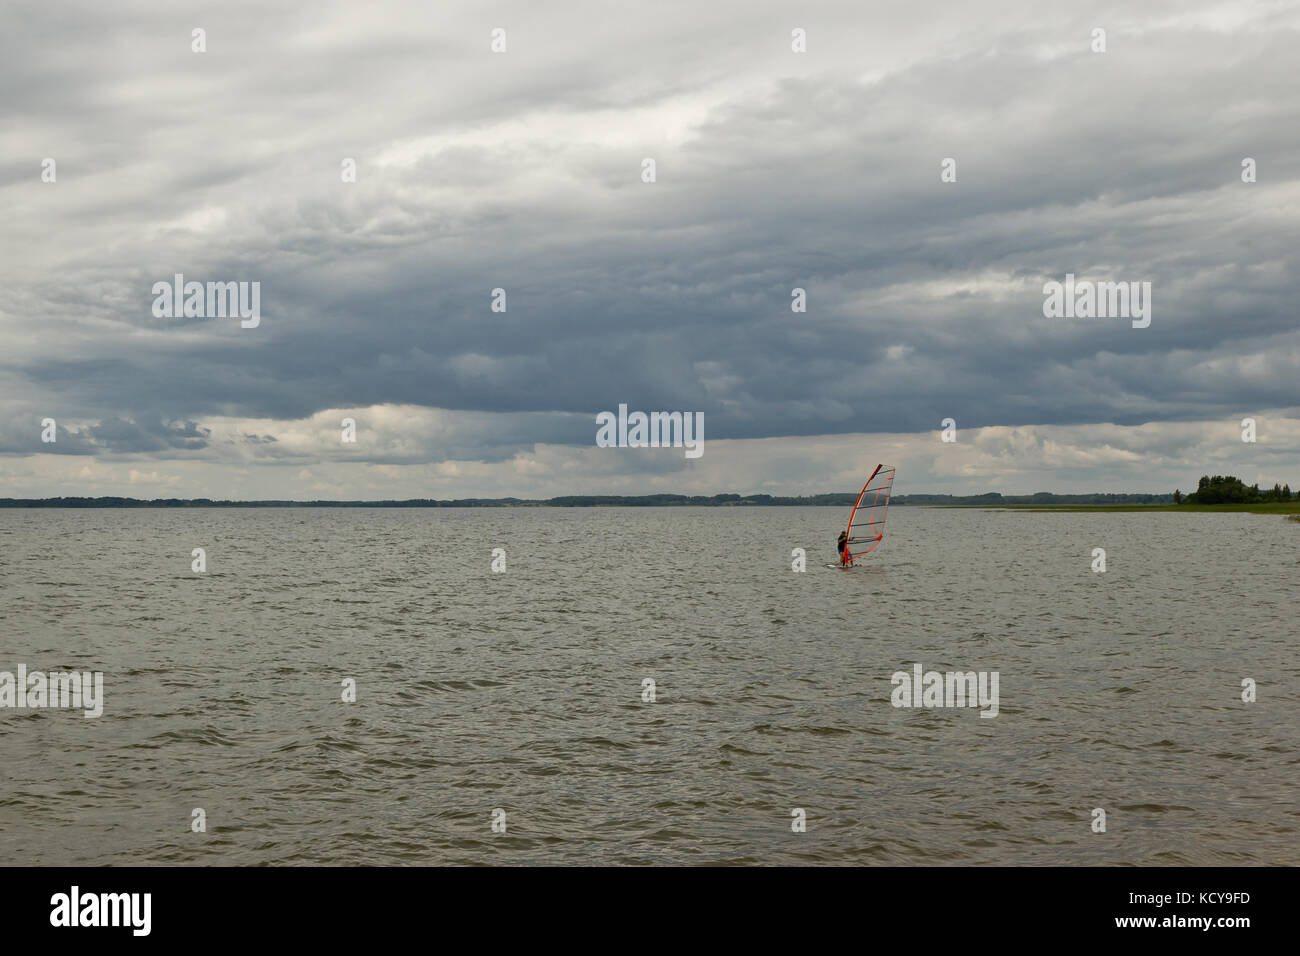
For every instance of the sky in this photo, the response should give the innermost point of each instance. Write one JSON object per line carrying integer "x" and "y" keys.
{"x": 523, "y": 169}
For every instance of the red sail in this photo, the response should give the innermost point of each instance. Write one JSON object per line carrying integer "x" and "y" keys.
{"x": 867, "y": 520}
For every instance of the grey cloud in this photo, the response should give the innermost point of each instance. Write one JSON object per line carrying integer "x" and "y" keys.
{"x": 120, "y": 435}
{"x": 666, "y": 296}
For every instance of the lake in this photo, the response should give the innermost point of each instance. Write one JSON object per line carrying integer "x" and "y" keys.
{"x": 525, "y": 690}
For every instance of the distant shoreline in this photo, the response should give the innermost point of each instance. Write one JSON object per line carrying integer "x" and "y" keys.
{"x": 1034, "y": 503}
{"x": 1268, "y": 507}
{"x": 1038, "y": 501}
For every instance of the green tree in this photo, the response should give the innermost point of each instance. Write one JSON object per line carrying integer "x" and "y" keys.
{"x": 1222, "y": 489}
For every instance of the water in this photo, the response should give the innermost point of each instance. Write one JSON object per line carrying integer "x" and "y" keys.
{"x": 523, "y": 690}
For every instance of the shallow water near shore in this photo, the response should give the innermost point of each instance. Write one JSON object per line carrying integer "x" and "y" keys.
{"x": 523, "y": 690}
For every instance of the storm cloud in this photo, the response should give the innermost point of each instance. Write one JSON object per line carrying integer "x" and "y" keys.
{"x": 522, "y": 170}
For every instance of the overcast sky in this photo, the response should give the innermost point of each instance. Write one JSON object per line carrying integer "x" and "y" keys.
{"x": 522, "y": 170}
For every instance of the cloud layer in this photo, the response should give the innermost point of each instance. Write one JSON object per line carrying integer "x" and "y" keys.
{"x": 522, "y": 171}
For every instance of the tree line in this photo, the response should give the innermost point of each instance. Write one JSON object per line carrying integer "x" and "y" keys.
{"x": 1231, "y": 490}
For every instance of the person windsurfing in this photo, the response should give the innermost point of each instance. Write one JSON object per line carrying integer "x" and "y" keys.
{"x": 842, "y": 545}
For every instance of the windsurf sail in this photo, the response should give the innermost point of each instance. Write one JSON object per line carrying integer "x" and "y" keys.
{"x": 867, "y": 520}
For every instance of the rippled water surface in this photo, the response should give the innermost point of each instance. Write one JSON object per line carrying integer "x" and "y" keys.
{"x": 522, "y": 690}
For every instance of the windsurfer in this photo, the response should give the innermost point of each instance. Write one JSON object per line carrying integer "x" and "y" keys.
{"x": 842, "y": 545}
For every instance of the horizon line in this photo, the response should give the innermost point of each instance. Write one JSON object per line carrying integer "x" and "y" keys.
{"x": 652, "y": 499}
